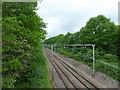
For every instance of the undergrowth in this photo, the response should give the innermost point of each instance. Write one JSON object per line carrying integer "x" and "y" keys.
{"x": 38, "y": 75}
{"x": 85, "y": 56}
{"x": 35, "y": 76}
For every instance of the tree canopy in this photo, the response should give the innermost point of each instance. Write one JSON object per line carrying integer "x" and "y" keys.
{"x": 98, "y": 30}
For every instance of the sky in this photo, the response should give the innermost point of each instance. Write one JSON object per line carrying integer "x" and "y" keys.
{"x": 63, "y": 16}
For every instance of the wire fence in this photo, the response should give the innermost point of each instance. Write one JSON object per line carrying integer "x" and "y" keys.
{"x": 117, "y": 67}
{"x": 109, "y": 67}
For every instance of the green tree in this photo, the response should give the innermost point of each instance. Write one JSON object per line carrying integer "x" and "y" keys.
{"x": 99, "y": 30}
{"x": 66, "y": 38}
{"x": 60, "y": 39}
{"x": 22, "y": 31}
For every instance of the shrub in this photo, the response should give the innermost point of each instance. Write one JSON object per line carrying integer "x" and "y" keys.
{"x": 110, "y": 57}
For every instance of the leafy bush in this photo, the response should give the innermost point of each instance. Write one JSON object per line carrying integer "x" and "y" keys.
{"x": 110, "y": 57}
{"x": 8, "y": 81}
{"x": 22, "y": 32}
{"x": 15, "y": 64}
{"x": 37, "y": 75}
{"x": 110, "y": 71}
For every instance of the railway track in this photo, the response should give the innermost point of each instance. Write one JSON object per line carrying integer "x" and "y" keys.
{"x": 70, "y": 76}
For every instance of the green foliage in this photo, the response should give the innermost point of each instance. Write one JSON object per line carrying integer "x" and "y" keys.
{"x": 99, "y": 31}
{"x": 22, "y": 32}
{"x": 15, "y": 64}
{"x": 109, "y": 57}
{"x": 8, "y": 82}
{"x": 63, "y": 51}
{"x": 85, "y": 56}
{"x": 109, "y": 71}
{"x": 36, "y": 76}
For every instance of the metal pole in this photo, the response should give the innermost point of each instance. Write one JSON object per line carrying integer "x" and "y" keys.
{"x": 52, "y": 49}
{"x": 93, "y": 58}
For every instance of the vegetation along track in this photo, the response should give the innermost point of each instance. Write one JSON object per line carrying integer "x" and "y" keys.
{"x": 70, "y": 76}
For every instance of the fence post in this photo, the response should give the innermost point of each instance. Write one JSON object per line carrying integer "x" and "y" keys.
{"x": 93, "y": 58}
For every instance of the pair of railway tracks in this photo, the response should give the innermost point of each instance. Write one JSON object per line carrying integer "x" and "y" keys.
{"x": 70, "y": 76}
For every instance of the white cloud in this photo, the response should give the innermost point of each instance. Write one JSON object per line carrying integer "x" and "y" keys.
{"x": 53, "y": 23}
{"x": 65, "y": 16}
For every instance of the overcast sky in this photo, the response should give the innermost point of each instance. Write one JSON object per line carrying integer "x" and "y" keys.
{"x": 64, "y": 16}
